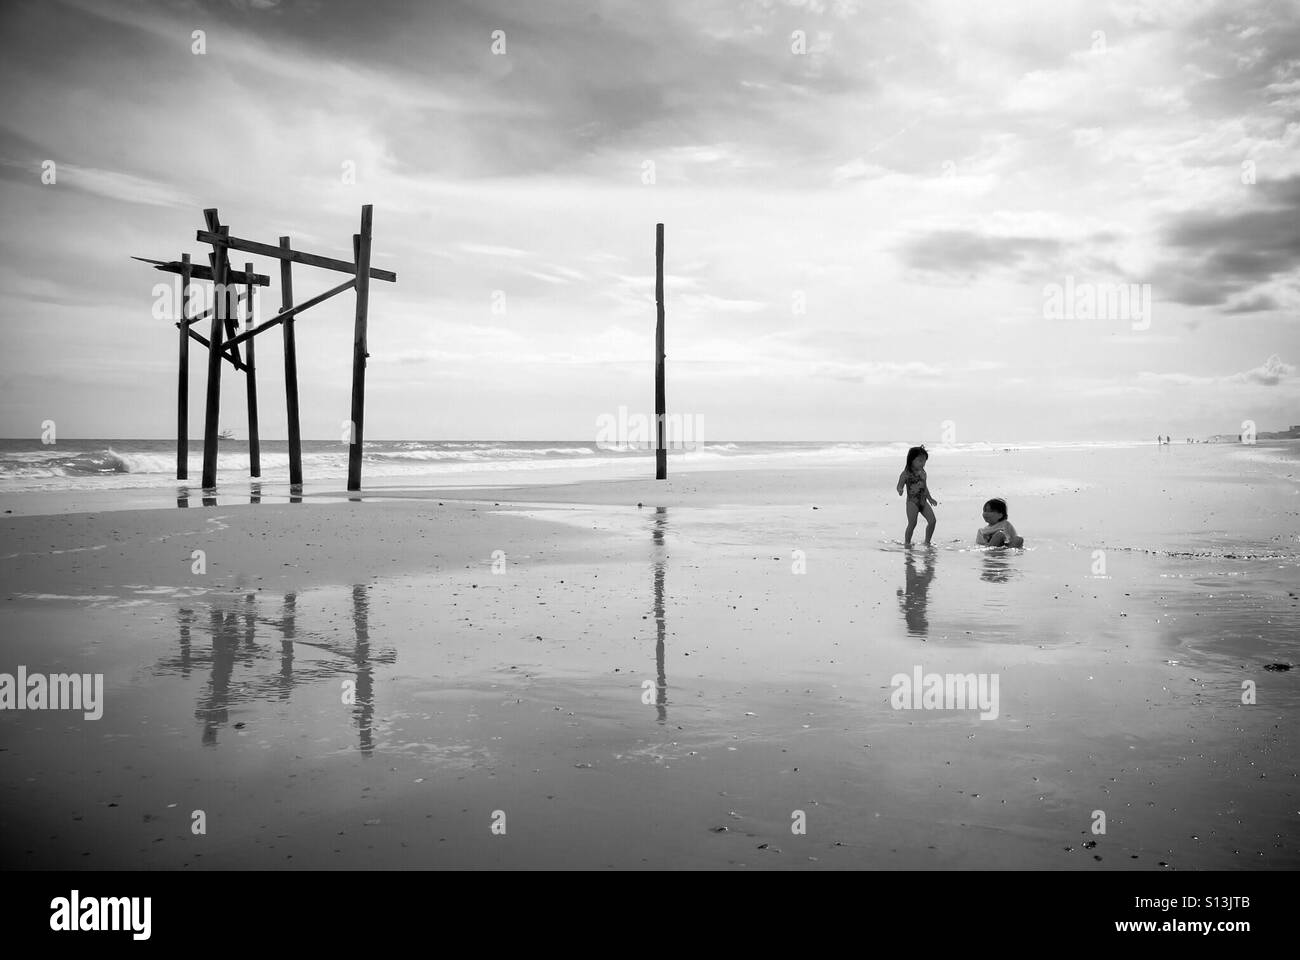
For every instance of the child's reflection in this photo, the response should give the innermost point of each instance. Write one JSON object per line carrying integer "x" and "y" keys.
{"x": 997, "y": 566}
{"x": 911, "y": 598}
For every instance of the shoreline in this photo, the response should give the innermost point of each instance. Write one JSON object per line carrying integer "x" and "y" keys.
{"x": 158, "y": 491}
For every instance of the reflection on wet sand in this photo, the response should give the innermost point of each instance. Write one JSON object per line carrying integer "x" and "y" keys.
{"x": 912, "y": 596}
{"x": 998, "y": 565}
{"x": 287, "y": 631}
{"x": 233, "y": 626}
{"x": 661, "y": 681}
{"x": 364, "y": 705}
{"x": 254, "y": 495}
{"x": 186, "y": 617}
{"x": 225, "y": 641}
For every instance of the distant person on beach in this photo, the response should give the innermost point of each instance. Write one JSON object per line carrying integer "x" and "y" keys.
{"x": 999, "y": 532}
{"x": 913, "y": 481}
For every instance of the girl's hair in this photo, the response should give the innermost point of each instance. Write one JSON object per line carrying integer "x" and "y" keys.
{"x": 913, "y": 454}
{"x": 997, "y": 504}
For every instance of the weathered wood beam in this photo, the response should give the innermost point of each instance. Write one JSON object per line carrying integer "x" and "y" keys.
{"x": 297, "y": 256}
{"x": 290, "y": 371}
{"x": 183, "y": 376}
{"x": 661, "y": 446}
{"x": 250, "y": 383}
{"x": 212, "y": 410}
{"x": 197, "y": 271}
{"x": 361, "y": 248}
{"x": 225, "y": 296}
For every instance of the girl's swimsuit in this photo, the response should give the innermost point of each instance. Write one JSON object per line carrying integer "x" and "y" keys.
{"x": 916, "y": 489}
{"x": 984, "y": 535}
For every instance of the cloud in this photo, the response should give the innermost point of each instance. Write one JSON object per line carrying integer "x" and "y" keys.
{"x": 487, "y": 250}
{"x": 114, "y": 184}
{"x": 1269, "y": 374}
{"x": 966, "y": 253}
{"x": 1253, "y": 304}
{"x": 954, "y": 139}
{"x": 1218, "y": 256}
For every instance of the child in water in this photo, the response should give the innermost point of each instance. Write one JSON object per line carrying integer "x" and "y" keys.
{"x": 919, "y": 501}
{"x": 999, "y": 532}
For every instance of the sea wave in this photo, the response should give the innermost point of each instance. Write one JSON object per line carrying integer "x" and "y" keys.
{"x": 81, "y": 465}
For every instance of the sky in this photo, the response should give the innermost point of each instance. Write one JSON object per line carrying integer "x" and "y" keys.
{"x": 869, "y": 209}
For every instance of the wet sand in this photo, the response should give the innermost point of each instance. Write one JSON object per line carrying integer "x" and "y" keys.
{"x": 622, "y": 683}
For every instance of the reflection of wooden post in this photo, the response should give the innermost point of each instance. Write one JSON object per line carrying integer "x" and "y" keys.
{"x": 290, "y": 371}
{"x": 250, "y": 374}
{"x": 365, "y": 708}
{"x": 183, "y": 377}
{"x": 212, "y": 412}
{"x": 287, "y": 627}
{"x": 362, "y": 260}
{"x": 661, "y": 448}
{"x": 661, "y": 678}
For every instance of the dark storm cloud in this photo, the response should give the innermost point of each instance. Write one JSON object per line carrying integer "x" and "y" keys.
{"x": 579, "y": 77}
{"x": 1219, "y": 256}
{"x": 1254, "y": 304}
{"x": 966, "y": 253}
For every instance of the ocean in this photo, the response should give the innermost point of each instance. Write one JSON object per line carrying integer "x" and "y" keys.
{"x": 27, "y": 465}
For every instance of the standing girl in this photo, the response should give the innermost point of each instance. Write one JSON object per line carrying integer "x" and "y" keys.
{"x": 919, "y": 501}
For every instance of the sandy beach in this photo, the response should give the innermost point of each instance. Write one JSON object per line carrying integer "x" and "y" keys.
{"x": 615, "y": 672}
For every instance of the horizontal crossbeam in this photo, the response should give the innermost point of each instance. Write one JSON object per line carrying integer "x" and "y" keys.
{"x": 284, "y": 253}
{"x": 198, "y": 272}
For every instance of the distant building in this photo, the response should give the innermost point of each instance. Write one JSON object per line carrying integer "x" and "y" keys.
{"x": 1291, "y": 434}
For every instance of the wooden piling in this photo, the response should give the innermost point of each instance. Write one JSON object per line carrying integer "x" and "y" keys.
{"x": 362, "y": 245}
{"x": 290, "y": 370}
{"x": 183, "y": 377}
{"x": 661, "y": 447}
{"x": 250, "y": 380}
{"x": 212, "y": 412}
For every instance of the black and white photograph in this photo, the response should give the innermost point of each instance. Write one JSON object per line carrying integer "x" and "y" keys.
{"x": 738, "y": 436}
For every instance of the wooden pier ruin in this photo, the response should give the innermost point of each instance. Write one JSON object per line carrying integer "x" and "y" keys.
{"x": 224, "y": 338}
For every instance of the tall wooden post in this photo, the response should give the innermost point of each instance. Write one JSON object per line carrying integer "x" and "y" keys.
{"x": 221, "y": 304}
{"x": 661, "y": 447}
{"x": 362, "y": 246}
{"x": 250, "y": 374}
{"x": 183, "y": 377}
{"x": 290, "y": 370}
